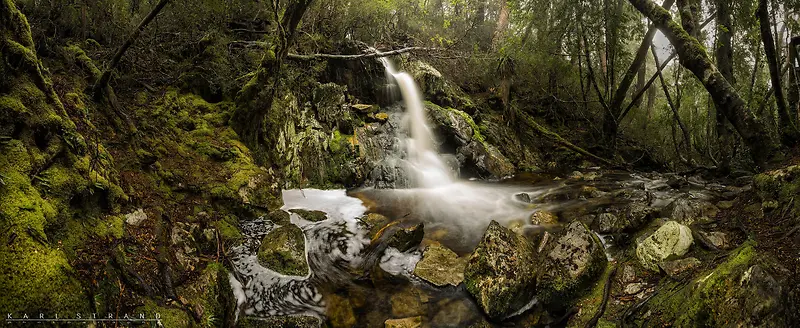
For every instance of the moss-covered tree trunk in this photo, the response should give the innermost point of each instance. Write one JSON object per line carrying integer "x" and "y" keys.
{"x": 724, "y": 57}
{"x": 255, "y": 99}
{"x": 693, "y": 56}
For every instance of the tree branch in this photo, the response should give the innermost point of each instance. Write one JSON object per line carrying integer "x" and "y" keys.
{"x": 359, "y": 56}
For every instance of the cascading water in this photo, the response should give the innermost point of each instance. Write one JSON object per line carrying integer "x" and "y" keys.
{"x": 428, "y": 168}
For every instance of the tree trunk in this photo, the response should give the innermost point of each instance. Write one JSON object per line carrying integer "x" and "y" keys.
{"x": 724, "y": 56}
{"x": 687, "y": 141}
{"x": 101, "y": 83}
{"x": 630, "y": 74}
{"x": 254, "y": 100}
{"x": 788, "y": 130}
{"x": 690, "y": 13}
{"x": 693, "y": 56}
{"x": 794, "y": 79}
{"x": 502, "y": 24}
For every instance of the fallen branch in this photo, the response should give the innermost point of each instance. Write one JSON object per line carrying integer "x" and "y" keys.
{"x": 554, "y": 137}
{"x": 360, "y": 56}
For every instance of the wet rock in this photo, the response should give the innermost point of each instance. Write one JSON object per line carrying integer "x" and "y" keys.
{"x": 634, "y": 288}
{"x": 573, "y": 262}
{"x": 687, "y": 211}
{"x": 340, "y": 311}
{"x": 136, "y": 217}
{"x": 454, "y": 313}
{"x": 184, "y": 245}
{"x": 670, "y": 241}
{"x": 501, "y": 273}
{"x": 408, "y": 302}
{"x": 607, "y": 223}
{"x": 440, "y": 266}
{"x": 279, "y": 217}
{"x": 283, "y": 250}
{"x": 381, "y": 117}
{"x": 523, "y": 197}
{"x": 725, "y": 204}
{"x": 716, "y": 238}
{"x": 375, "y": 222}
{"x": 405, "y": 239}
{"x": 543, "y": 217}
{"x": 592, "y": 192}
{"x": 313, "y": 216}
{"x": 628, "y": 274}
{"x": 412, "y": 322}
{"x": 675, "y": 268}
{"x": 300, "y": 321}
{"x": 364, "y": 108}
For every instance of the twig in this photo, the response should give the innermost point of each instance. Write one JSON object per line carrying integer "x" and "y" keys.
{"x": 360, "y": 56}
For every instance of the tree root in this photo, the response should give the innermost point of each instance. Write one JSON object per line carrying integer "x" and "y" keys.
{"x": 606, "y": 292}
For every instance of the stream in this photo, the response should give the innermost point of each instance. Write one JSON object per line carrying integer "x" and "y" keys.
{"x": 377, "y": 282}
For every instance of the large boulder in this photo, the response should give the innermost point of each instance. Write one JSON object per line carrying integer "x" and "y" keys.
{"x": 780, "y": 187}
{"x": 283, "y": 251}
{"x": 501, "y": 272}
{"x": 460, "y": 134}
{"x": 669, "y": 242}
{"x": 436, "y": 88}
{"x": 686, "y": 210}
{"x": 744, "y": 291}
{"x": 573, "y": 262}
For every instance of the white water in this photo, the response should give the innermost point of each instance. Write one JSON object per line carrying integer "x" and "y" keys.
{"x": 430, "y": 170}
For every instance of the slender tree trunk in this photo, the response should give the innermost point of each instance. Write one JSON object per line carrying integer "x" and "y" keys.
{"x": 102, "y": 82}
{"x": 794, "y": 79}
{"x": 627, "y": 79}
{"x": 788, "y": 130}
{"x": 693, "y": 56}
{"x": 686, "y": 139}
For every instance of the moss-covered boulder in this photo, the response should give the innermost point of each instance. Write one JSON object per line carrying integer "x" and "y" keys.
{"x": 744, "y": 291}
{"x": 286, "y": 321}
{"x": 313, "y": 216}
{"x": 440, "y": 266}
{"x": 501, "y": 272}
{"x": 283, "y": 250}
{"x": 570, "y": 265}
{"x": 211, "y": 296}
{"x": 671, "y": 241}
{"x": 780, "y": 186}
{"x": 436, "y": 88}
{"x": 460, "y": 133}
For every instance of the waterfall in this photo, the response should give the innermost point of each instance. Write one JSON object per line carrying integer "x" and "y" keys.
{"x": 429, "y": 169}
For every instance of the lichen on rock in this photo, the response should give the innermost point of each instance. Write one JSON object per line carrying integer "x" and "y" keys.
{"x": 283, "y": 250}
{"x": 671, "y": 241}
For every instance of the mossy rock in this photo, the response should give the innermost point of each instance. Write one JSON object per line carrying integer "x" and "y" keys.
{"x": 781, "y": 185}
{"x": 570, "y": 265}
{"x": 313, "y": 216}
{"x": 743, "y": 291}
{"x": 279, "y": 217}
{"x": 671, "y": 241}
{"x": 211, "y": 296}
{"x": 501, "y": 272}
{"x": 440, "y": 266}
{"x": 405, "y": 239}
{"x": 283, "y": 250}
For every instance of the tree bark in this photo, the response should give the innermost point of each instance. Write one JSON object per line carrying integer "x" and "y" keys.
{"x": 690, "y": 13}
{"x": 502, "y": 24}
{"x": 724, "y": 57}
{"x": 693, "y": 56}
{"x": 788, "y": 130}
{"x": 254, "y": 100}
{"x": 101, "y": 83}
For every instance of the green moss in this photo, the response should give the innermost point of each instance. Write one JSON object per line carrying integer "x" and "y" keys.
{"x": 168, "y": 317}
{"x": 227, "y": 230}
{"x": 283, "y": 250}
{"x": 706, "y": 300}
